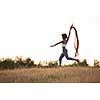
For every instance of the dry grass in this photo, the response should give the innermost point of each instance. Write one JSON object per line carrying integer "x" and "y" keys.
{"x": 51, "y": 75}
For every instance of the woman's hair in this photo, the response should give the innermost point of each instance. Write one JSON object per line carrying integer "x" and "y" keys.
{"x": 64, "y": 35}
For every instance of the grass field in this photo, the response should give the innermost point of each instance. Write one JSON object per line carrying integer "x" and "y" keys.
{"x": 51, "y": 75}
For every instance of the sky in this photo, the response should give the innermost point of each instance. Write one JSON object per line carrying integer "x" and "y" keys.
{"x": 29, "y": 27}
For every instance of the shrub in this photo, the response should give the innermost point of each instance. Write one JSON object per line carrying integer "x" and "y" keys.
{"x": 82, "y": 63}
{"x": 96, "y": 63}
{"x": 53, "y": 64}
{"x": 7, "y": 63}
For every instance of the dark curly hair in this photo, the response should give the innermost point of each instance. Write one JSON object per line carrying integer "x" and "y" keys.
{"x": 64, "y": 36}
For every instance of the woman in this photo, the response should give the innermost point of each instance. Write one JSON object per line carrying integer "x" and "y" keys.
{"x": 64, "y": 50}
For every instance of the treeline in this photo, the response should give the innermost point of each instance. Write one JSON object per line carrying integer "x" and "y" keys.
{"x": 19, "y": 62}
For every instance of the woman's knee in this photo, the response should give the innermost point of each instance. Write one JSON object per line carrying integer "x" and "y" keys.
{"x": 66, "y": 56}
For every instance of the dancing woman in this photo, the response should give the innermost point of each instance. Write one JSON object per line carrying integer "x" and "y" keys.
{"x": 64, "y": 43}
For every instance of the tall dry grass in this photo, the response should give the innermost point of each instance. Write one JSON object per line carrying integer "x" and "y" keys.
{"x": 44, "y": 75}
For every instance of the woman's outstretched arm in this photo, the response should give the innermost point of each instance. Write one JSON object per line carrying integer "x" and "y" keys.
{"x": 56, "y": 44}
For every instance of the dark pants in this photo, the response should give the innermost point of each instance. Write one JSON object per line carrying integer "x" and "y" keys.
{"x": 65, "y": 53}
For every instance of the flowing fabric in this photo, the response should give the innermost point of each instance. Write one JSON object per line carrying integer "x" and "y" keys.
{"x": 76, "y": 40}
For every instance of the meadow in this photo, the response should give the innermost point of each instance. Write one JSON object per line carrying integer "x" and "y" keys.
{"x": 63, "y": 74}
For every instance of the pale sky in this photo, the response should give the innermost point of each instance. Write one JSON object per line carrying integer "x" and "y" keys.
{"x": 29, "y": 27}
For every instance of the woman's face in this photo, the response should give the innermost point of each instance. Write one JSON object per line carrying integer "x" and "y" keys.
{"x": 63, "y": 38}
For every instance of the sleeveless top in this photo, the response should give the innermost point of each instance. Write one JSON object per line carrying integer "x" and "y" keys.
{"x": 64, "y": 42}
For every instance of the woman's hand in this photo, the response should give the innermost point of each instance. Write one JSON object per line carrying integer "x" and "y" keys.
{"x": 71, "y": 26}
{"x": 52, "y": 45}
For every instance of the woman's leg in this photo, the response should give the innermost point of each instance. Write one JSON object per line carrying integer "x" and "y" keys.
{"x": 60, "y": 58}
{"x": 69, "y": 58}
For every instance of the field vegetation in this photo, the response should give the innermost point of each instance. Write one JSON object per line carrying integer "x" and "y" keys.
{"x": 22, "y": 70}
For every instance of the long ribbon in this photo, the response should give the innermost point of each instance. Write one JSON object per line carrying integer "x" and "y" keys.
{"x": 76, "y": 41}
